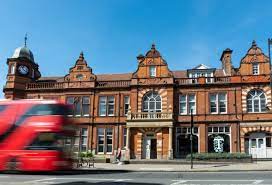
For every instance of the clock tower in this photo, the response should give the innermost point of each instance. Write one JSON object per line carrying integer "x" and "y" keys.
{"x": 22, "y": 69}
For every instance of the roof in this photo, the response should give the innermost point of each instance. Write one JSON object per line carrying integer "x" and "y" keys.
{"x": 124, "y": 76}
{"x": 23, "y": 52}
{"x": 153, "y": 53}
{"x": 114, "y": 77}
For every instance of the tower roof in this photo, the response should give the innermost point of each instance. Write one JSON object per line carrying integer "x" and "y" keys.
{"x": 23, "y": 52}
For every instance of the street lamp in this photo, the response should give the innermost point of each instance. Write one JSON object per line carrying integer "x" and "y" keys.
{"x": 269, "y": 45}
{"x": 191, "y": 137}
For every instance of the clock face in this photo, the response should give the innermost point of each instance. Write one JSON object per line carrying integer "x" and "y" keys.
{"x": 23, "y": 70}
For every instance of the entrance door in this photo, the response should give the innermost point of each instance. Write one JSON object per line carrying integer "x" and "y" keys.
{"x": 149, "y": 146}
{"x": 257, "y": 145}
{"x": 153, "y": 150}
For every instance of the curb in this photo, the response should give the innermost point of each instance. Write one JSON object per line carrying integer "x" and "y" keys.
{"x": 154, "y": 171}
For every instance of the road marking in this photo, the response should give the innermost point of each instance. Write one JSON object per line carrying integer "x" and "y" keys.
{"x": 40, "y": 180}
{"x": 178, "y": 182}
{"x": 258, "y": 182}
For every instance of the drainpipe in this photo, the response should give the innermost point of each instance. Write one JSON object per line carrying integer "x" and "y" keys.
{"x": 238, "y": 147}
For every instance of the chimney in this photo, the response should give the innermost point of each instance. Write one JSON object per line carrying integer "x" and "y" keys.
{"x": 226, "y": 61}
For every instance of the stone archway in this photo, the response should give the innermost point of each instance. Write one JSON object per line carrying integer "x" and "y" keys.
{"x": 254, "y": 140}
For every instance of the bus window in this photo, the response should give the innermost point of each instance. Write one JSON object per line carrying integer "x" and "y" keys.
{"x": 44, "y": 141}
{"x": 2, "y": 108}
{"x": 48, "y": 109}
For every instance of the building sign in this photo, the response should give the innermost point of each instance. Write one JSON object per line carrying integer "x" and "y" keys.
{"x": 218, "y": 144}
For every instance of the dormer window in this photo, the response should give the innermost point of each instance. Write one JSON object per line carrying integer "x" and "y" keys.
{"x": 255, "y": 69}
{"x": 152, "y": 71}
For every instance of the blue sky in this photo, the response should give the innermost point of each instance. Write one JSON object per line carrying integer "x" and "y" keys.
{"x": 111, "y": 33}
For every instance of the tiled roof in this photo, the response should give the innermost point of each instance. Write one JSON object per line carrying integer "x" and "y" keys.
{"x": 114, "y": 77}
{"x": 123, "y": 76}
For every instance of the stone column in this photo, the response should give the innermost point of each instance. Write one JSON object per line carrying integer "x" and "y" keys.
{"x": 170, "y": 144}
{"x": 242, "y": 143}
{"x": 127, "y": 144}
{"x": 139, "y": 147}
{"x": 159, "y": 145}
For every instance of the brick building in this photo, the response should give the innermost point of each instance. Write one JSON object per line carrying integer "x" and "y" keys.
{"x": 147, "y": 112}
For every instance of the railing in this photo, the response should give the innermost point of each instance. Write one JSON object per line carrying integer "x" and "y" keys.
{"x": 218, "y": 79}
{"x": 186, "y": 81}
{"x": 203, "y": 80}
{"x": 149, "y": 116}
{"x": 44, "y": 85}
{"x": 121, "y": 83}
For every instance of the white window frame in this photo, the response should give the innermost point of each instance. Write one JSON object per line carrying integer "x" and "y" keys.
{"x": 110, "y": 104}
{"x": 256, "y": 96}
{"x": 126, "y": 104}
{"x": 217, "y": 103}
{"x": 187, "y": 103}
{"x": 12, "y": 69}
{"x": 82, "y": 137}
{"x": 152, "y": 95}
{"x": 104, "y": 103}
{"x": 255, "y": 68}
{"x": 152, "y": 71}
{"x": 103, "y": 137}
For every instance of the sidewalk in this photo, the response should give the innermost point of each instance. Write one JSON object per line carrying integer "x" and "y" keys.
{"x": 255, "y": 166}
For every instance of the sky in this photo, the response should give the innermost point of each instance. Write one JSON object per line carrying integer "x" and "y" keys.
{"x": 112, "y": 33}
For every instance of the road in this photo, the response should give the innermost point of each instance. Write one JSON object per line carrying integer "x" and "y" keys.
{"x": 139, "y": 178}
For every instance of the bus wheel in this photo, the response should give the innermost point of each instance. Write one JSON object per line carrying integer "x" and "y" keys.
{"x": 12, "y": 165}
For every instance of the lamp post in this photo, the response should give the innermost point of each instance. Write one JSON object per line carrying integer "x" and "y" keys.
{"x": 191, "y": 137}
{"x": 269, "y": 45}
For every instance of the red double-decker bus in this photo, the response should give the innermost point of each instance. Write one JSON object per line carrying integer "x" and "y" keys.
{"x": 35, "y": 135}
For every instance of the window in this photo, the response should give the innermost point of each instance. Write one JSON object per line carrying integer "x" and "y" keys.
{"x": 152, "y": 102}
{"x": 126, "y": 104}
{"x": 109, "y": 140}
{"x": 218, "y": 139}
{"x": 12, "y": 69}
{"x": 124, "y": 137}
{"x": 152, "y": 71}
{"x": 106, "y": 106}
{"x": 81, "y": 106}
{"x": 105, "y": 142}
{"x": 47, "y": 109}
{"x": 100, "y": 139}
{"x": 83, "y": 139}
{"x": 256, "y": 101}
{"x": 255, "y": 69}
{"x": 218, "y": 103}
{"x": 187, "y": 103}
{"x": 79, "y": 76}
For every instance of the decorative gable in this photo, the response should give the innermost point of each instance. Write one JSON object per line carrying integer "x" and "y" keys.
{"x": 152, "y": 65}
{"x": 81, "y": 71}
{"x": 255, "y": 62}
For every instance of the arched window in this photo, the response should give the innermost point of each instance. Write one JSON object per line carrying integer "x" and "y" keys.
{"x": 256, "y": 101}
{"x": 152, "y": 102}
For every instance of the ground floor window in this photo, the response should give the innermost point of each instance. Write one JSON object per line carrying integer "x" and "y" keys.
{"x": 218, "y": 139}
{"x": 81, "y": 140}
{"x": 104, "y": 140}
{"x": 183, "y": 142}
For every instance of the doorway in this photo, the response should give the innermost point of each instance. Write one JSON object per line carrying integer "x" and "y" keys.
{"x": 149, "y": 150}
